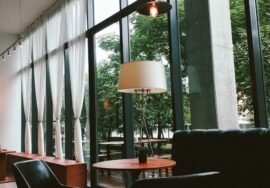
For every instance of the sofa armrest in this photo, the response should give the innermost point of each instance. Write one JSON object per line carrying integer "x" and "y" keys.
{"x": 200, "y": 180}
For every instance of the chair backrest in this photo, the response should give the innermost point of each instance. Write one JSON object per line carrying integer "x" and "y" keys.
{"x": 242, "y": 155}
{"x": 34, "y": 174}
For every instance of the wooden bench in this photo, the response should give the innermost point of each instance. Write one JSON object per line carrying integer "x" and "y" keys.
{"x": 68, "y": 172}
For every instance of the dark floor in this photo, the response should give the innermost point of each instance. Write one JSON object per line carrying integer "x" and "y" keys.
{"x": 112, "y": 180}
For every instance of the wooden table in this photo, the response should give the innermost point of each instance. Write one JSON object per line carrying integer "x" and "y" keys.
{"x": 133, "y": 166}
{"x": 68, "y": 172}
{"x": 3, "y": 163}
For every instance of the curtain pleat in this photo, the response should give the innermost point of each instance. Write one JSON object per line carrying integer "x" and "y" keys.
{"x": 55, "y": 39}
{"x": 27, "y": 90}
{"x": 76, "y": 26}
{"x": 40, "y": 81}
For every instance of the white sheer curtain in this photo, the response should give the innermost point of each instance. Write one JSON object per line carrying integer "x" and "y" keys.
{"x": 76, "y": 26}
{"x": 40, "y": 80}
{"x": 26, "y": 90}
{"x": 55, "y": 38}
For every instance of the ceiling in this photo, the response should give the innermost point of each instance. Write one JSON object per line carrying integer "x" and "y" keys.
{"x": 10, "y": 13}
{"x": 10, "y": 18}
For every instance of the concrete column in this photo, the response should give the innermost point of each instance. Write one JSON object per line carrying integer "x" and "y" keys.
{"x": 211, "y": 67}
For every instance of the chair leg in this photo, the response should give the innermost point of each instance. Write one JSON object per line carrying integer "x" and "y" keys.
{"x": 167, "y": 172}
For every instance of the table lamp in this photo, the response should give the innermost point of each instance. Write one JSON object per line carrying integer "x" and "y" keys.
{"x": 144, "y": 78}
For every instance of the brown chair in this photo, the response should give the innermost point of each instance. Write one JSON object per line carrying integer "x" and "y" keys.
{"x": 35, "y": 174}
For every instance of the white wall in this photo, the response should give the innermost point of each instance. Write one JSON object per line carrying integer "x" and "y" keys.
{"x": 10, "y": 102}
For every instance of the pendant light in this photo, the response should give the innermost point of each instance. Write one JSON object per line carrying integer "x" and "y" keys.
{"x": 154, "y": 8}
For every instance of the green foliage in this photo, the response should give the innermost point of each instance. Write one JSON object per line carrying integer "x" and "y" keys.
{"x": 149, "y": 38}
{"x": 109, "y": 99}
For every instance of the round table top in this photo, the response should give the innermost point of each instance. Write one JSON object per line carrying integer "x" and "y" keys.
{"x": 134, "y": 165}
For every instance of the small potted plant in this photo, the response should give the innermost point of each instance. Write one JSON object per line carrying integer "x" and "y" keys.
{"x": 142, "y": 155}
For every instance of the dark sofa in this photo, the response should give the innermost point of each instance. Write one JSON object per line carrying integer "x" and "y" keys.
{"x": 242, "y": 158}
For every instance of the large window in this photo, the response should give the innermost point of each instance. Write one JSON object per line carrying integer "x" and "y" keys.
{"x": 149, "y": 39}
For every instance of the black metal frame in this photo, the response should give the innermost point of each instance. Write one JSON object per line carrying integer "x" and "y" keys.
{"x": 22, "y": 125}
{"x": 126, "y": 98}
{"x": 256, "y": 64}
{"x": 34, "y": 115}
{"x": 175, "y": 67}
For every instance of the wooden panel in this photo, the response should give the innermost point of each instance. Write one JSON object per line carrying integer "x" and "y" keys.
{"x": 2, "y": 166}
{"x": 68, "y": 172}
{"x": 74, "y": 171}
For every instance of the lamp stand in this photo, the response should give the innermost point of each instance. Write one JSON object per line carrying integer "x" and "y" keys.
{"x": 143, "y": 98}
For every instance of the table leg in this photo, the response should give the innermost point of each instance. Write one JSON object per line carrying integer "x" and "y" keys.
{"x": 108, "y": 148}
{"x": 3, "y": 167}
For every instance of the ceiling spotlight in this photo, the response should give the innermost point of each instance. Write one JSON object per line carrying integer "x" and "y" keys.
{"x": 3, "y": 57}
{"x": 154, "y": 8}
{"x": 8, "y": 53}
{"x": 20, "y": 43}
{"x": 14, "y": 48}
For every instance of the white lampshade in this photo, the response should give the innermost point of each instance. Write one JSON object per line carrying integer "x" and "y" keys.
{"x": 142, "y": 75}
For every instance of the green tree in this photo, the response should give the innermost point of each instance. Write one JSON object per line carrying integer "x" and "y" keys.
{"x": 109, "y": 99}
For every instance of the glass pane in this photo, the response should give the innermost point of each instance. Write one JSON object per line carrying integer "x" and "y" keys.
{"x": 62, "y": 121}
{"x": 264, "y": 15}
{"x": 184, "y": 67}
{"x": 131, "y": 1}
{"x": 85, "y": 116}
{"x": 110, "y": 122}
{"x": 104, "y": 9}
{"x": 241, "y": 61}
